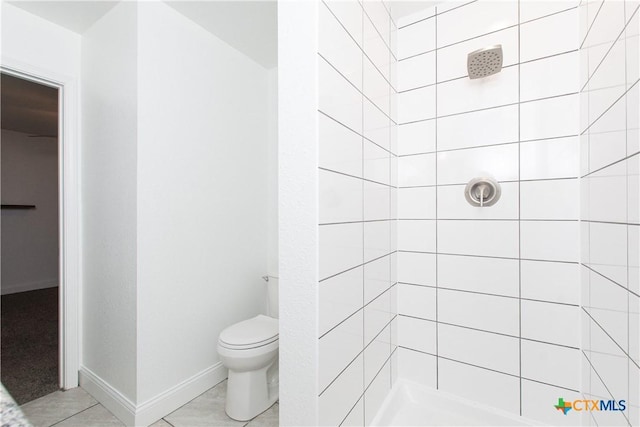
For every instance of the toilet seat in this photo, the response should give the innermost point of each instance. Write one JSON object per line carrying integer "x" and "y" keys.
{"x": 256, "y": 332}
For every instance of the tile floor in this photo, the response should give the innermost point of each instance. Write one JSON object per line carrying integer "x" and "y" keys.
{"x": 76, "y": 408}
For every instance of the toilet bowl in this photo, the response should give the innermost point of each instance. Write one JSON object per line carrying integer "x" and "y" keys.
{"x": 249, "y": 350}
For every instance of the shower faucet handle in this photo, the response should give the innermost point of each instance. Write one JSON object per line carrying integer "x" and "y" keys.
{"x": 481, "y": 192}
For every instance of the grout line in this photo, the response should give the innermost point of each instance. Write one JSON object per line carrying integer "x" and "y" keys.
{"x": 457, "y": 184}
{"x": 628, "y": 239}
{"x": 550, "y": 179}
{"x": 489, "y": 108}
{"x": 353, "y": 176}
{"x": 436, "y": 206}
{"x": 390, "y": 17}
{"x": 519, "y": 217}
{"x": 379, "y": 370}
{"x": 489, "y": 369}
{"x": 480, "y": 35}
{"x": 488, "y": 256}
{"x": 547, "y": 16}
{"x": 609, "y": 107}
{"x": 485, "y": 220}
{"x": 362, "y": 204}
{"x": 528, "y": 101}
{"x": 342, "y": 25}
{"x": 592, "y": 221}
{"x": 416, "y": 350}
{"x": 185, "y": 404}
{"x": 542, "y": 58}
{"x": 356, "y": 132}
{"x": 609, "y": 279}
{"x": 377, "y": 32}
{"x": 597, "y": 374}
{"x": 165, "y": 420}
{"x": 490, "y": 332}
{"x": 469, "y": 39}
{"x": 609, "y": 165}
{"x": 489, "y": 294}
{"x": 77, "y": 413}
{"x": 501, "y": 372}
{"x": 498, "y": 144}
{"x": 419, "y": 87}
{"x": 357, "y": 266}
{"x": 415, "y": 22}
{"x": 549, "y": 384}
{"x": 361, "y": 48}
{"x": 436, "y": 14}
{"x": 379, "y": 72}
{"x": 361, "y": 352}
{"x": 361, "y": 397}
{"x": 356, "y": 222}
{"x": 624, "y": 29}
{"x": 610, "y": 337}
{"x": 593, "y": 418}
{"x": 393, "y": 197}
{"x": 587, "y": 237}
{"x": 354, "y": 86}
{"x": 597, "y": 309}
{"x": 340, "y": 323}
{"x": 441, "y": 13}
{"x": 550, "y": 138}
{"x": 586, "y": 35}
{"x": 341, "y": 372}
{"x": 379, "y": 295}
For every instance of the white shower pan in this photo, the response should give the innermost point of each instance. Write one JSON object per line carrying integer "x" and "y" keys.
{"x": 412, "y": 404}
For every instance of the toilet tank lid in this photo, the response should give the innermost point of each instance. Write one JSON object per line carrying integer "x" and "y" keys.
{"x": 259, "y": 329}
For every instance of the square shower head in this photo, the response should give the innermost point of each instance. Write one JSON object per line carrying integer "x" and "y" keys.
{"x": 484, "y": 62}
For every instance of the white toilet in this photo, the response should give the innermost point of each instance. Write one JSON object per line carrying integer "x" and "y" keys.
{"x": 249, "y": 350}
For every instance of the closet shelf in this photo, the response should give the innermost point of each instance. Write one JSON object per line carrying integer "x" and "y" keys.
{"x": 18, "y": 206}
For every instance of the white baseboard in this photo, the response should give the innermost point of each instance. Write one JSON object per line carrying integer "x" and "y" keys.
{"x": 118, "y": 404}
{"x": 168, "y": 401}
{"x": 157, "y": 407}
{"x": 29, "y": 286}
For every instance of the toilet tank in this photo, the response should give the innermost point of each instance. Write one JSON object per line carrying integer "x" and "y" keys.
{"x": 272, "y": 286}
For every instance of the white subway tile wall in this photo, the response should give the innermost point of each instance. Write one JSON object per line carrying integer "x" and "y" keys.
{"x": 610, "y": 192}
{"x": 483, "y": 303}
{"x": 358, "y": 207}
{"x": 487, "y": 295}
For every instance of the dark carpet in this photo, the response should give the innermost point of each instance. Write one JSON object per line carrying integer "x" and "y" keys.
{"x": 29, "y": 346}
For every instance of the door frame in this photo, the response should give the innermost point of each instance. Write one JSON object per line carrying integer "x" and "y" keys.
{"x": 69, "y": 225}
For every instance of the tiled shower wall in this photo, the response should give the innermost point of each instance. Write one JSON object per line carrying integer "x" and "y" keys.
{"x": 488, "y": 298}
{"x": 357, "y": 230}
{"x": 610, "y": 208}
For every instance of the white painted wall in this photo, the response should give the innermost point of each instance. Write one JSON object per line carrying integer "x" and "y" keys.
{"x": 298, "y": 211}
{"x": 29, "y": 39}
{"x": 272, "y": 166}
{"x": 202, "y": 195}
{"x": 29, "y": 237}
{"x": 175, "y": 194}
{"x": 109, "y": 213}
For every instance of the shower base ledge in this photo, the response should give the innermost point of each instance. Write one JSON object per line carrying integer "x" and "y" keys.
{"x": 412, "y": 404}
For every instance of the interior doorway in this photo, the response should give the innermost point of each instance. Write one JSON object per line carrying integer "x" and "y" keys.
{"x": 30, "y": 238}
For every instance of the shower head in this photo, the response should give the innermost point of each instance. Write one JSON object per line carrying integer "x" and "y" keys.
{"x": 484, "y": 62}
